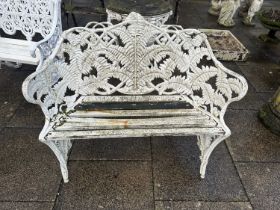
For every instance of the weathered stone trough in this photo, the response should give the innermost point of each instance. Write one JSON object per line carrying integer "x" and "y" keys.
{"x": 225, "y": 45}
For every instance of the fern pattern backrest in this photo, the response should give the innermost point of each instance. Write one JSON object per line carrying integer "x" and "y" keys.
{"x": 133, "y": 58}
{"x": 28, "y": 16}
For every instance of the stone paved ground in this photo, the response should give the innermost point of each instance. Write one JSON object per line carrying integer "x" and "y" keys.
{"x": 148, "y": 173}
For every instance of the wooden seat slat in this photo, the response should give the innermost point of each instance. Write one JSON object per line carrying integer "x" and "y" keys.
{"x": 135, "y": 113}
{"x": 163, "y": 123}
{"x": 132, "y": 98}
{"x": 89, "y": 134}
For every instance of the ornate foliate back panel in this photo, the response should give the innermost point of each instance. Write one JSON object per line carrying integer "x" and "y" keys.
{"x": 27, "y": 16}
{"x": 133, "y": 58}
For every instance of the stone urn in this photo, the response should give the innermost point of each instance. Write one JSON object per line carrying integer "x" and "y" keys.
{"x": 154, "y": 11}
{"x": 270, "y": 113}
{"x": 143, "y": 7}
{"x": 270, "y": 19}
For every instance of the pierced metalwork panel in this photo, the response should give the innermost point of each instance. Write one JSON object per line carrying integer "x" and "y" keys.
{"x": 134, "y": 58}
{"x": 28, "y": 16}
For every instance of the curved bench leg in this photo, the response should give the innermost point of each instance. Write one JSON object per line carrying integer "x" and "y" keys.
{"x": 203, "y": 142}
{"x": 61, "y": 150}
{"x": 207, "y": 144}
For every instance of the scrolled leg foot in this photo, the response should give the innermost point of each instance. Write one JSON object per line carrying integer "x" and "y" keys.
{"x": 61, "y": 149}
{"x": 203, "y": 142}
{"x": 206, "y": 144}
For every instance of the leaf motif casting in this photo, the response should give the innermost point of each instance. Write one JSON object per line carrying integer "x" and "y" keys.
{"x": 134, "y": 58}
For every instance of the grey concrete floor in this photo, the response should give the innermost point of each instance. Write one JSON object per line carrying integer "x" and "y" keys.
{"x": 148, "y": 173}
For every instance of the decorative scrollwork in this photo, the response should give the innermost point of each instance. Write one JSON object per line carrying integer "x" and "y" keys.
{"x": 47, "y": 45}
{"x": 28, "y": 16}
{"x": 133, "y": 58}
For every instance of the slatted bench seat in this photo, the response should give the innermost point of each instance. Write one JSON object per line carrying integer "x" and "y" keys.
{"x": 14, "y": 50}
{"x": 137, "y": 121}
{"x": 132, "y": 79}
{"x": 31, "y": 17}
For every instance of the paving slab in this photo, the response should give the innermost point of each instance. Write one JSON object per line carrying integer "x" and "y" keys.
{"x": 193, "y": 14}
{"x": 251, "y": 101}
{"x": 200, "y": 205}
{"x": 187, "y": 18}
{"x": 256, "y": 51}
{"x": 262, "y": 184}
{"x": 107, "y": 185}
{"x": 12, "y": 79}
{"x": 28, "y": 169}
{"x": 250, "y": 140}
{"x": 27, "y": 116}
{"x": 263, "y": 76}
{"x": 176, "y": 172}
{"x": 112, "y": 149}
{"x": 269, "y": 51}
{"x": 267, "y": 96}
{"x": 8, "y": 106}
{"x": 232, "y": 66}
{"x": 26, "y": 206}
{"x": 188, "y": 21}
{"x": 10, "y": 92}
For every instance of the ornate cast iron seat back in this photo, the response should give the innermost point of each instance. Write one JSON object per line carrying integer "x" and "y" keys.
{"x": 132, "y": 62}
{"x": 30, "y": 17}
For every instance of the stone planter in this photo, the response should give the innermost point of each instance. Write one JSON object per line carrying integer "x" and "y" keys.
{"x": 225, "y": 45}
{"x": 270, "y": 19}
{"x": 270, "y": 114}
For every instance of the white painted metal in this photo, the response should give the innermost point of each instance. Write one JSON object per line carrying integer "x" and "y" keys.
{"x": 15, "y": 50}
{"x": 30, "y": 17}
{"x": 134, "y": 61}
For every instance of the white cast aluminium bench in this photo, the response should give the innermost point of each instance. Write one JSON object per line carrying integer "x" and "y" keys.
{"x": 30, "y": 17}
{"x": 133, "y": 79}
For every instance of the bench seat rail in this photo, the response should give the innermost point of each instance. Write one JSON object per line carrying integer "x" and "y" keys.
{"x": 133, "y": 62}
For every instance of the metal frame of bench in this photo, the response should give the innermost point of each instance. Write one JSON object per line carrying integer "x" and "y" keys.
{"x": 104, "y": 80}
{"x": 30, "y": 17}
